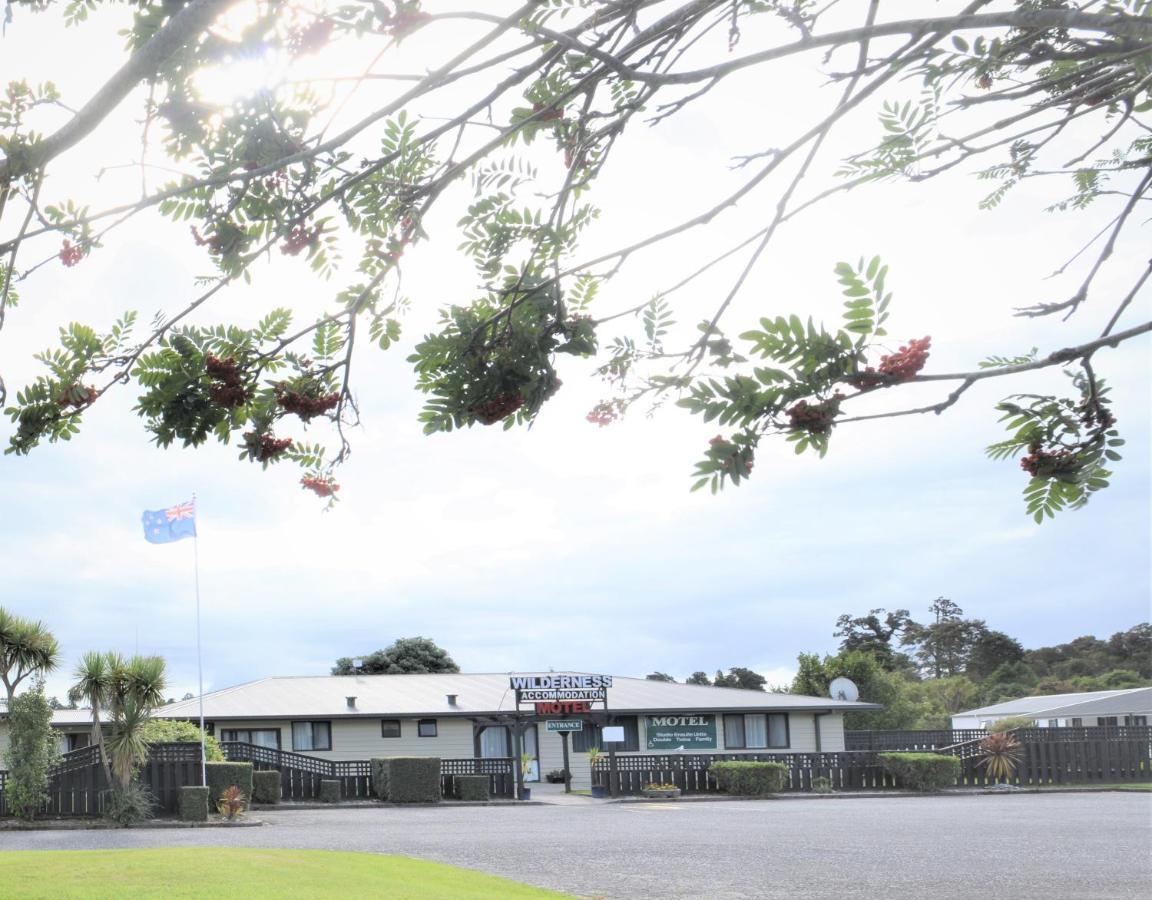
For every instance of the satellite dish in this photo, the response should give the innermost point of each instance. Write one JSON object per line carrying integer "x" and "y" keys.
{"x": 843, "y": 689}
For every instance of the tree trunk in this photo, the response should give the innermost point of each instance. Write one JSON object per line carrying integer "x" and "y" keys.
{"x": 98, "y": 739}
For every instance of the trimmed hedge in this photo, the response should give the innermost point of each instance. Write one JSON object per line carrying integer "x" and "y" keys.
{"x": 922, "y": 771}
{"x": 749, "y": 778}
{"x": 222, "y": 775}
{"x": 471, "y": 787}
{"x": 379, "y": 769}
{"x": 406, "y": 779}
{"x": 266, "y": 786}
{"x": 330, "y": 790}
{"x": 194, "y": 803}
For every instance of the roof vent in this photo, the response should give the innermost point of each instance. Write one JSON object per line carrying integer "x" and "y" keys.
{"x": 451, "y": 699}
{"x": 351, "y": 702}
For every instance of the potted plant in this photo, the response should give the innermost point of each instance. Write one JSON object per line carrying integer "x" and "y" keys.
{"x": 598, "y": 790}
{"x": 668, "y": 791}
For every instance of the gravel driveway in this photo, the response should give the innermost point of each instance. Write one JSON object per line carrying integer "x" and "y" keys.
{"x": 1096, "y": 845}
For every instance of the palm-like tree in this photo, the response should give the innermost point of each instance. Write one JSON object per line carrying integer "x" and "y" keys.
{"x": 129, "y": 689}
{"x": 26, "y": 648}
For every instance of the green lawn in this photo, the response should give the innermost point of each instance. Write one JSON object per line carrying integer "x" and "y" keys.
{"x": 1126, "y": 786}
{"x": 232, "y": 872}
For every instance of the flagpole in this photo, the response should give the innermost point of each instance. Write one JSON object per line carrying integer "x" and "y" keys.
{"x": 199, "y": 658}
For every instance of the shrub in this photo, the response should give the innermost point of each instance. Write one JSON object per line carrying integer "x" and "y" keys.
{"x": 1001, "y": 752}
{"x": 266, "y": 786}
{"x": 1011, "y": 723}
{"x": 922, "y": 771}
{"x": 329, "y": 790}
{"x": 31, "y": 752}
{"x": 223, "y": 775}
{"x": 128, "y": 805}
{"x": 471, "y": 787}
{"x": 193, "y": 804}
{"x": 821, "y": 784}
{"x": 411, "y": 779}
{"x": 749, "y": 778}
{"x": 172, "y": 731}
{"x": 556, "y": 776}
{"x": 379, "y": 768}
{"x": 231, "y": 803}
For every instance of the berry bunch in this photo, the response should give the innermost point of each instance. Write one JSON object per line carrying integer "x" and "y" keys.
{"x": 265, "y": 447}
{"x": 499, "y": 407}
{"x": 310, "y": 39}
{"x": 320, "y": 485}
{"x": 1041, "y": 463}
{"x": 815, "y": 418}
{"x": 70, "y": 254}
{"x": 546, "y": 113}
{"x": 306, "y": 405}
{"x": 228, "y": 390}
{"x": 77, "y": 396}
{"x": 224, "y": 239}
{"x": 729, "y": 454}
{"x": 602, "y": 414}
{"x": 300, "y": 238}
{"x": 894, "y": 368}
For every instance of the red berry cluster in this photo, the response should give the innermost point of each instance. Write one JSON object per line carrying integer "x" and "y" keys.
{"x": 894, "y": 368}
{"x": 546, "y": 113}
{"x": 300, "y": 238}
{"x": 499, "y": 407}
{"x": 70, "y": 254}
{"x": 602, "y": 414}
{"x": 1043, "y": 464}
{"x": 816, "y": 418}
{"x": 229, "y": 390}
{"x": 319, "y": 485}
{"x": 1095, "y": 416}
{"x": 266, "y": 446}
{"x": 726, "y": 452}
{"x": 77, "y": 396}
{"x": 307, "y": 406}
{"x": 310, "y": 39}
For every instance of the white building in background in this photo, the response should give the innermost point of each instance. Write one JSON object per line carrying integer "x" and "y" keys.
{"x": 1091, "y": 708}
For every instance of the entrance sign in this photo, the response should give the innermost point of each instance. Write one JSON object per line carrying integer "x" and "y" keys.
{"x": 681, "y": 732}
{"x": 564, "y": 725}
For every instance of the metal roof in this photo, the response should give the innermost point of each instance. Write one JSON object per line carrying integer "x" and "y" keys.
{"x": 325, "y": 696}
{"x": 1055, "y": 706}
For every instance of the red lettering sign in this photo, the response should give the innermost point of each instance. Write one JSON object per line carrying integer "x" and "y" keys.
{"x": 563, "y": 708}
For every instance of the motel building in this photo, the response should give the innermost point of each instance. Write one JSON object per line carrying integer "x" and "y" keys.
{"x": 545, "y": 716}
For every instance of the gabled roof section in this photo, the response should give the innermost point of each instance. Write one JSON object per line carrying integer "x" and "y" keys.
{"x": 1056, "y": 706}
{"x": 325, "y": 696}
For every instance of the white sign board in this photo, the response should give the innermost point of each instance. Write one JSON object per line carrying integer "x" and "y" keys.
{"x": 564, "y": 725}
{"x": 613, "y": 734}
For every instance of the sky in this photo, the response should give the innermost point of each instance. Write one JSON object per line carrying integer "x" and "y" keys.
{"x": 569, "y": 546}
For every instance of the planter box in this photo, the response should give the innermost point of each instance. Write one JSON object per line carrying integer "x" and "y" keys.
{"x": 671, "y": 793}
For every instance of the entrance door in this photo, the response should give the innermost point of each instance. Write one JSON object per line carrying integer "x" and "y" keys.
{"x": 496, "y": 743}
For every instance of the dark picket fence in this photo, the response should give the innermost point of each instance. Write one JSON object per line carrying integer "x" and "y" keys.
{"x": 931, "y": 740}
{"x": 77, "y": 783}
{"x": 300, "y": 775}
{"x": 1041, "y": 763}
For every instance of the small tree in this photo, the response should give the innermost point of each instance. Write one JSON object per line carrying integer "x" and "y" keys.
{"x": 31, "y": 752}
{"x": 403, "y": 657}
{"x": 27, "y": 648}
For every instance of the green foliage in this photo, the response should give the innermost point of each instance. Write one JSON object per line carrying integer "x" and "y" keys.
{"x": 402, "y": 657}
{"x": 876, "y": 686}
{"x": 329, "y": 790}
{"x": 31, "y": 752}
{"x": 922, "y": 771}
{"x": 129, "y": 804}
{"x": 223, "y": 775}
{"x": 740, "y": 677}
{"x": 266, "y": 786}
{"x": 476, "y": 787}
{"x": 193, "y": 803}
{"x": 27, "y": 649}
{"x": 821, "y": 784}
{"x": 407, "y": 779}
{"x": 1011, "y": 723}
{"x": 748, "y": 778}
{"x": 161, "y": 731}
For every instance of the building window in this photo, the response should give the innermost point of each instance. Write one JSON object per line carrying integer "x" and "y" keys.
{"x": 390, "y": 728}
{"x": 77, "y": 741}
{"x": 1053, "y": 723}
{"x": 1107, "y": 720}
{"x": 261, "y": 737}
{"x": 756, "y": 731}
{"x": 426, "y": 728}
{"x": 586, "y": 738}
{"x": 1135, "y": 720}
{"x": 1077, "y": 723}
{"x": 311, "y": 735}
